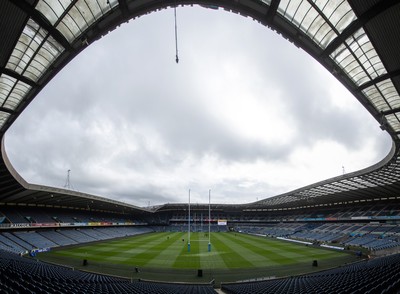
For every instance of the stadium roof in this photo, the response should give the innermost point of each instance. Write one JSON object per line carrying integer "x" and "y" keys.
{"x": 357, "y": 41}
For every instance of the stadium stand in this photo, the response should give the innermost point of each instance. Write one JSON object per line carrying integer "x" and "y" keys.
{"x": 371, "y": 237}
{"x": 380, "y": 275}
{"x": 24, "y": 241}
{"x": 18, "y": 241}
{"x": 23, "y": 275}
{"x": 34, "y": 239}
{"x": 34, "y": 215}
{"x": 58, "y": 238}
{"x": 7, "y": 244}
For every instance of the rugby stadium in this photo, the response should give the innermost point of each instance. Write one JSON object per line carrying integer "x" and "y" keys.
{"x": 340, "y": 235}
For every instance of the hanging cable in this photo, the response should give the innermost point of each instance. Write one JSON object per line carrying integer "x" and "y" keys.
{"x": 176, "y": 37}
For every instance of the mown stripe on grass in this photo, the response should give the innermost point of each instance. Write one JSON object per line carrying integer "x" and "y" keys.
{"x": 256, "y": 255}
{"x": 273, "y": 252}
{"x": 107, "y": 251}
{"x": 149, "y": 250}
{"x": 168, "y": 254}
{"x": 208, "y": 259}
{"x": 186, "y": 259}
{"x": 268, "y": 246}
{"x": 284, "y": 251}
{"x": 226, "y": 248}
{"x": 212, "y": 259}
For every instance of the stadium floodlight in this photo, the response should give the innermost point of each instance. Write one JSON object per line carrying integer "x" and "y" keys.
{"x": 68, "y": 185}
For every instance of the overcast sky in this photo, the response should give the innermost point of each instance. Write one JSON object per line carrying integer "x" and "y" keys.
{"x": 245, "y": 113}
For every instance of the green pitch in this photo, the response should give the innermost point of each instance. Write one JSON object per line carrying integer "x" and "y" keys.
{"x": 170, "y": 251}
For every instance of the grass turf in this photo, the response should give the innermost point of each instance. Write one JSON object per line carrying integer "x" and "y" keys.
{"x": 164, "y": 256}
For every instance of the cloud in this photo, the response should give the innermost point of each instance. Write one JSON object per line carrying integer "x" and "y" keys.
{"x": 244, "y": 113}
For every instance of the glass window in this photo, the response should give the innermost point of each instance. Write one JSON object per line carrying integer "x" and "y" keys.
{"x": 383, "y": 95}
{"x": 3, "y": 118}
{"x": 322, "y": 21}
{"x": 73, "y": 20}
{"x": 12, "y": 92}
{"x": 358, "y": 58}
{"x": 34, "y": 52}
